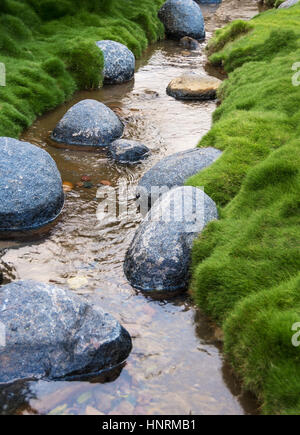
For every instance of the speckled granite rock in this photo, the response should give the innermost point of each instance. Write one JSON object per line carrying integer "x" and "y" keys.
{"x": 31, "y": 194}
{"x": 182, "y": 18}
{"x": 174, "y": 170}
{"x": 53, "y": 333}
{"x": 119, "y": 62}
{"x": 288, "y": 4}
{"x": 128, "y": 151}
{"x": 194, "y": 86}
{"x": 88, "y": 123}
{"x": 189, "y": 43}
{"x": 158, "y": 258}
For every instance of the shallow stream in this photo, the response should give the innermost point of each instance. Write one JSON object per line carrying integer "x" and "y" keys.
{"x": 176, "y": 366}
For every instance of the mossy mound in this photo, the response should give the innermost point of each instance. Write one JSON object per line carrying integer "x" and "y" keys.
{"x": 49, "y": 50}
{"x": 245, "y": 266}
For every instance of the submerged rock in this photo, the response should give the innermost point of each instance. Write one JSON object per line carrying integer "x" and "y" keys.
{"x": 119, "y": 62}
{"x": 208, "y": 2}
{"x": 53, "y": 333}
{"x": 158, "y": 258}
{"x": 31, "y": 193}
{"x": 174, "y": 170}
{"x": 88, "y": 123}
{"x": 288, "y": 4}
{"x": 182, "y": 18}
{"x": 189, "y": 43}
{"x": 128, "y": 151}
{"x": 194, "y": 86}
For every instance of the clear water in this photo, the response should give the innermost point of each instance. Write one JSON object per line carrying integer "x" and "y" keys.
{"x": 176, "y": 366}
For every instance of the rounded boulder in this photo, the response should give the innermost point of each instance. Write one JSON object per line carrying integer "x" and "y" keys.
{"x": 88, "y": 123}
{"x": 173, "y": 171}
{"x": 47, "y": 332}
{"x": 287, "y": 4}
{"x": 194, "y": 86}
{"x": 119, "y": 62}
{"x": 182, "y": 18}
{"x": 158, "y": 259}
{"x": 128, "y": 151}
{"x": 30, "y": 187}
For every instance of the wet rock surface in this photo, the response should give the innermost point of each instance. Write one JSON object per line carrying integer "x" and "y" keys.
{"x": 182, "y": 18}
{"x": 174, "y": 170}
{"x": 158, "y": 259}
{"x": 194, "y": 86}
{"x": 288, "y": 4}
{"x": 88, "y": 123}
{"x": 31, "y": 191}
{"x": 189, "y": 43}
{"x": 208, "y": 2}
{"x": 51, "y": 333}
{"x": 128, "y": 151}
{"x": 119, "y": 62}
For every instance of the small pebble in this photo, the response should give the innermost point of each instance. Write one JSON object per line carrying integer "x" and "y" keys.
{"x": 87, "y": 185}
{"x": 85, "y": 178}
{"x": 67, "y": 186}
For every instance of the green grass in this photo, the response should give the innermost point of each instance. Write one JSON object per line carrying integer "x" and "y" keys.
{"x": 49, "y": 50}
{"x": 246, "y": 266}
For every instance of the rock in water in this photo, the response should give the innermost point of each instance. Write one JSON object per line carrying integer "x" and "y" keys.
{"x": 208, "y": 2}
{"x": 174, "y": 170}
{"x": 189, "y": 43}
{"x": 119, "y": 62}
{"x": 194, "y": 87}
{"x": 128, "y": 151}
{"x": 31, "y": 194}
{"x": 158, "y": 258}
{"x": 182, "y": 18}
{"x": 55, "y": 334}
{"x": 88, "y": 123}
{"x": 288, "y": 4}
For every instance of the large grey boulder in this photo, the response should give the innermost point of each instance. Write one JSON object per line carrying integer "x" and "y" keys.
{"x": 174, "y": 170}
{"x": 119, "y": 62}
{"x": 288, "y": 4}
{"x": 128, "y": 151}
{"x": 31, "y": 194}
{"x": 158, "y": 258}
{"x": 51, "y": 333}
{"x": 182, "y": 18}
{"x": 88, "y": 123}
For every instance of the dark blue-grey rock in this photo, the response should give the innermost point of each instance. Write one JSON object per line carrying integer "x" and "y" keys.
{"x": 208, "y": 2}
{"x": 189, "y": 43}
{"x": 52, "y": 333}
{"x": 31, "y": 194}
{"x": 288, "y": 4}
{"x": 119, "y": 62}
{"x": 88, "y": 123}
{"x": 158, "y": 258}
{"x": 174, "y": 170}
{"x": 128, "y": 151}
{"x": 182, "y": 18}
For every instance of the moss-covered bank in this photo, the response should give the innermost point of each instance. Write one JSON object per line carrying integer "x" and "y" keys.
{"x": 48, "y": 48}
{"x": 246, "y": 266}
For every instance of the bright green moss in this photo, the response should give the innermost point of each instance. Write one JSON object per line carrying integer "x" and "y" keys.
{"x": 245, "y": 266}
{"x": 49, "y": 50}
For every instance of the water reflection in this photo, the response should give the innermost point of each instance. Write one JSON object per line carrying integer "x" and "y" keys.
{"x": 176, "y": 366}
